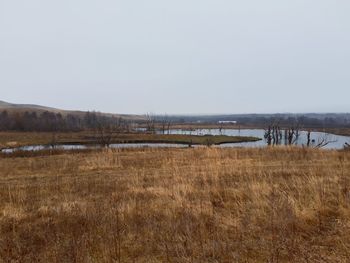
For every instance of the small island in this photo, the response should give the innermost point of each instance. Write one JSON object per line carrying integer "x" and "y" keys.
{"x": 20, "y": 139}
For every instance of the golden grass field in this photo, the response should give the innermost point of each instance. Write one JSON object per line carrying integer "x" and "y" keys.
{"x": 176, "y": 205}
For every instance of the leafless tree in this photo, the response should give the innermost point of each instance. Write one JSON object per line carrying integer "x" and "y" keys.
{"x": 105, "y": 132}
{"x": 169, "y": 126}
{"x": 291, "y": 135}
{"x": 105, "y": 127}
{"x": 268, "y": 135}
{"x": 308, "y": 138}
{"x": 165, "y": 124}
{"x": 122, "y": 126}
{"x": 324, "y": 141}
{"x": 53, "y": 140}
{"x": 150, "y": 123}
{"x": 221, "y": 126}
{"x": 274, "y": 134}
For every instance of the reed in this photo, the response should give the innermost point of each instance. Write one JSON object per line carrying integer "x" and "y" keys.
{"x": 279, "y": 204}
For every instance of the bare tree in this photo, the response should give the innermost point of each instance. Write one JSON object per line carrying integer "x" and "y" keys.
{"x": 274, "y": 134}
{"x": 165, "y": 124}
{"x": 221, "y": 126}
{"x": 150, "y": 123}
{"x": 169, "y": 126}
{"x": 105, "y": 132}
{"x": 53, "y": 140}
{"x": 294, "y": 133}
{"x": 291, "y": 136}
{"x": 103, "y": 127}
{"x": 268, "y": 135}
{"x": 324, "y": 141}
{"x": 308, "y": 138}
{"x": 122, "y": 125}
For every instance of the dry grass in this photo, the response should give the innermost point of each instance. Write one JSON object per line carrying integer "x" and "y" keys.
{"x": 17, "y": 139}
{"x": 177, "y": 205}
{"x": 338, "y": 131}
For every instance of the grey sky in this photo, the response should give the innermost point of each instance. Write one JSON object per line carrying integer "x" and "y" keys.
{"x": 177, "y": 56}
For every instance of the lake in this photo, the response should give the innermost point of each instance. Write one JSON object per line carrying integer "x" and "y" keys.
{"x": 335, "y": 141}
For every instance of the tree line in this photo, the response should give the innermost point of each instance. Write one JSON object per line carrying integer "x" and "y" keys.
{"x": 53, "y": 122}
{"x": 308, "y": 120}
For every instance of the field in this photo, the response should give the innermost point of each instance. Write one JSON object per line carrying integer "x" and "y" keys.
{"x": 339, "y": 131}
{"x": 176, "y": 205}
{"x": 17, "y": 139}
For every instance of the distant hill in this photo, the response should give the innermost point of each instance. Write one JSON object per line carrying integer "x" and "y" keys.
{"x": 13, "y": 108}
{"x": 309, "y": 119}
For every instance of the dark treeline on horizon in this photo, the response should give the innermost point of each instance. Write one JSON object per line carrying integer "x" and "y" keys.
{"x": 51, "y": 122}
{"x": 283, "y": 120}
{"x": 47, "y": 121}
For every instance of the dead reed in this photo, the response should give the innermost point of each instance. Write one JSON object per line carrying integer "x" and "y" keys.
{"x": 176, "y": 205}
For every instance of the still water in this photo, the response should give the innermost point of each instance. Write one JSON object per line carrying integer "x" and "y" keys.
{"x": 335, "y": 141}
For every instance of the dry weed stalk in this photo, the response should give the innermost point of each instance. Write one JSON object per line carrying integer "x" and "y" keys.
{"x": 176, "y": 205}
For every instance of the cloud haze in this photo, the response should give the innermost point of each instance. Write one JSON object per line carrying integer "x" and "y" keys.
{"x": 177, "y": 56}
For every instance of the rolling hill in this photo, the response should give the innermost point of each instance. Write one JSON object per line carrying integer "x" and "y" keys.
{"x": 13, "y": 108}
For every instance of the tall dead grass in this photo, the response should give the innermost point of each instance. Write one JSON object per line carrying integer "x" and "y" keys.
{"x": 177, "y": 205}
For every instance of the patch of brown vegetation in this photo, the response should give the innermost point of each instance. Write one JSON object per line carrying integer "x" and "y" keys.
{"x": 89, "y": 137}
{"x": 177, "y": 205}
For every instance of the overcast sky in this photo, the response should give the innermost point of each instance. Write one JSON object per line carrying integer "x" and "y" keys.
{"x": 179, "y": 56}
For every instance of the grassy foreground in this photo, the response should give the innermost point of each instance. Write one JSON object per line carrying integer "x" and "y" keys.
{"x": 177, "y": 205}
{"x": 17, "y": 139}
